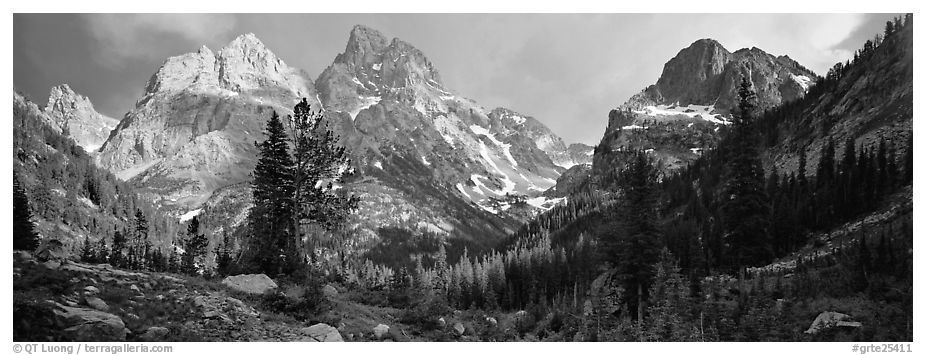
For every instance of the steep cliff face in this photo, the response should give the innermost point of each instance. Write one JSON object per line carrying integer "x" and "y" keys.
{"x": 706, "y": 74}
{"x": 74, "y": 116}
{"x": 682, "y": 114}
{"x": 193, "y": 130}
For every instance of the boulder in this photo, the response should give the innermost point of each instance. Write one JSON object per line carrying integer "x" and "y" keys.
{"x": 826, "y": 320}
{"x": 441, "y": 322}
{"x": 395, "y": 334}
{"x": 154, "y": 334}
{"x": 84, "y": 324}
{"x": 52, "y": 250}
{"x": 136, "y": 289}
{"x": 492, "y": 321}
{"x": 380, "y": 331}
{"x": 91, "y": 290}
{"x": 322, "y": 333}
{"x": 226, "y": 309}
{"x": 459, "y": 328}
{"x": 330, "y": 291}
{"x": 255, "y": 284}
{"x": 97, "y": 304}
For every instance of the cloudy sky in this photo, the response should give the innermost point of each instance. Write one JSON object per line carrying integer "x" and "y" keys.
{"x": 566, "y": 70}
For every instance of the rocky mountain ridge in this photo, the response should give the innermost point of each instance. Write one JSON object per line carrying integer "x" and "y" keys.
{"x": 428, "y": 159}
{"x": 73, "y": 115}
{"x": 192, "y": 131}
{"x": 871, "y": 101}
{"x": 681, "y": 115}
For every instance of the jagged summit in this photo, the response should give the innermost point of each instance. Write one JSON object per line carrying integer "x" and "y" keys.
{"x": 678, "y": 117}
{"x": 372, "y": 68}
{"x": 74, "y": 115}
{"x": 245, "y": 40}
{"x": 705, "y": 73}
{"x": 193, "y": 129}
{"x": 244, "y": 64}
{"x": 420, "y": 150}
{"x": 364, "y": 40}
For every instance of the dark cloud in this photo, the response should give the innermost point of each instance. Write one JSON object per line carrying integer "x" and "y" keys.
{"x": 567, "y": 70}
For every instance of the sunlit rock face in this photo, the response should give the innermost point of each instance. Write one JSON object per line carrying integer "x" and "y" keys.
{"x": 73, "y": 114}
{"x": 193, "y": 130}
{"x": 426, "y": 158}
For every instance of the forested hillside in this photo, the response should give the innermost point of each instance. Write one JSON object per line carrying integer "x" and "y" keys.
{"x": 74, "y": 202}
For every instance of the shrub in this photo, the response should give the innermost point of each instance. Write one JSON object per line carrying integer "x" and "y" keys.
{"x": 34, "y": 320}
{"x": 426, "y": 313}
{"x": 301, "y": 308}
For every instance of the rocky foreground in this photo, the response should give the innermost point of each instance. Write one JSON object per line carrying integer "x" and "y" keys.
{"x": 62, "y": 300}
{"x": 68, "y": 301}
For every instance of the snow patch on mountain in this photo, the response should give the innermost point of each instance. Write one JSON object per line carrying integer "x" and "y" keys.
{"x": 543, "y": 203}
{"x": 189, "y": 215}
{"x": 693, "y": 111}
{"x": 460, "y": 188}
{"x": 509, "y": 185}
{"x": 804, "y": 81}
{"x": 506, "y": 148}
{"x": 365, "y": 103}
{"x": 633, "y": 126}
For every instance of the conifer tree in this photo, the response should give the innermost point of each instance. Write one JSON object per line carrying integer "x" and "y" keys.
{"x": 24, "y": 235}
{"x": 631, "y": 240}
{"x": 223, "y": 257}
{"x": 671, "y": 303}
{"x": 87, "y": 253}
{"x": 745, "y": 205}
{"x": 441, "y": 280}
{"x": 194, "y": 247}
{"x": 117, "y": 257}
{"x": 826, "y": 168}
{"x": 102, "y": 252}
{"x": 271, "y": 217}
{"x": 318, "y": 164}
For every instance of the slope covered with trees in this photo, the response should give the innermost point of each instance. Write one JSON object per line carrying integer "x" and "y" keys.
{"x": 71, "y": 199}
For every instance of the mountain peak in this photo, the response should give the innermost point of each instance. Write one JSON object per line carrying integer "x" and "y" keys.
{"x": 205, "y": 51}
{"x": 364, "y": 46}
{"x": 693, "y": 65}
{"x": 755, "y": 51}
{"x": 705, "y": 42}
{"x": 246, "y": 45}
{"x": 363, "y": 32}
{"x": 62, "y": 98}
{"x": 74, "y": 113}
{"x": 61, "y": 91}
{"x": 243, "y": 64}
{"x": 372, "y": 65}
{"x": 245, "y": 40}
